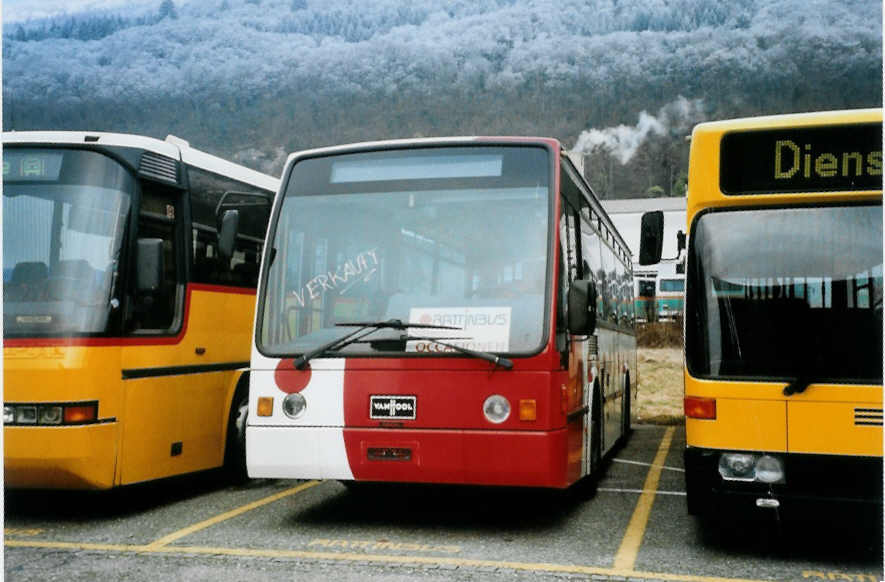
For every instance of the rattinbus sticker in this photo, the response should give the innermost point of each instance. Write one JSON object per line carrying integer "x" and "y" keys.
{"x": 485, "y": 329}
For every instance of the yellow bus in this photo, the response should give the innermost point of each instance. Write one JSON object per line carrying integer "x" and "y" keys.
{"x": 129, "y": 274}
{"x": 783, "y": 314}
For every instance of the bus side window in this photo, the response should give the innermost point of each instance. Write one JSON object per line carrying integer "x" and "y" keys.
{"x": 208, "y": 190}
{"x": 157, "y": 219}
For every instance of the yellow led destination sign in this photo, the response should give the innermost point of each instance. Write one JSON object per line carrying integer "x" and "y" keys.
{"x": 818, "y": 159}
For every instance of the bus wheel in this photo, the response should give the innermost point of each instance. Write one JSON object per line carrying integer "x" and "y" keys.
{"x": 235, "y": 451}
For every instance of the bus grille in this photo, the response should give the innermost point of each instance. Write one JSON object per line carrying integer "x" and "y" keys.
{"x": 158, "y": 167}
{"x": 868, "y": 416}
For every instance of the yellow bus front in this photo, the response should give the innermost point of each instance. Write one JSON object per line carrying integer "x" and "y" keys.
{"x": 783, "y": 323}
{"x": 58, "y": 433}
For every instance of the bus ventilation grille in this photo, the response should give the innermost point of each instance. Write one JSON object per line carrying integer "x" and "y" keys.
{"x": 868, "y": 416}
{"x": 158, "y": 167}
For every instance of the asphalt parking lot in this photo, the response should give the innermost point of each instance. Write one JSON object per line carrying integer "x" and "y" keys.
{"x": 633, "y": 527}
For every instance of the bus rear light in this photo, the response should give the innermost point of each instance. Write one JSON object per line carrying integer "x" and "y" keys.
{"x": 265, "y": 406}
{"x": 528, "y": 409}
{"x": 700, "y": 408}
{"x": 81, "y": 414}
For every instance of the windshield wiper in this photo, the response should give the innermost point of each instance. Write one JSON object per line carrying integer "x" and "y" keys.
{"x": 489, "y": 357}
{"x": 798, "y": 386}
{"x": 364, "y": 326}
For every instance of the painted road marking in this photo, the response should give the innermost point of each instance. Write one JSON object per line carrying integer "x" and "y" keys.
{"x": 375, "y": 558}
{"x": 625, "y": 559}
{"x": 21, "y": 531}
{"x": 613, "y": 490}
{"x": 666, "y": 468}
{"x": 382, "y": 545}
{"x": 168, "y": 539}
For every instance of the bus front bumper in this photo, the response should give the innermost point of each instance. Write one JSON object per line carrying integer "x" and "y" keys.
{"x": 813, "y": 485}
{"x": 475, "y": 457}
{"x": 60, "y": 457}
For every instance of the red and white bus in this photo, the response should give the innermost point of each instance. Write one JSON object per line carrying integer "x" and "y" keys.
{"x": 452, "y": 310}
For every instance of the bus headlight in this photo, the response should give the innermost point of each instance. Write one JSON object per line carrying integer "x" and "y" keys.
{"x": 769, "y": 469}
{"x": 8, "y": 414}
{"x": 49, "y": 415}
{"x": 747, "y": 467}
{"x": 737, "y": 466}
{"x": 496, "y": 408}
{"x": 294, "y": 405}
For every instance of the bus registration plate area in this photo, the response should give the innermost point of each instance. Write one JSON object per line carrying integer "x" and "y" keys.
{"x": 392, "y": 407}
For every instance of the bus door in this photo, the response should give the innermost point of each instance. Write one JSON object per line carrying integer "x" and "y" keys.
{"x": 171, "y": 412}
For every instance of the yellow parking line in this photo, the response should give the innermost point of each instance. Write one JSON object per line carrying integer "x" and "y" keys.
{"x": 625, "y": 559}
{"x": 375, "y": 558}
{"x": 168, "y": 539}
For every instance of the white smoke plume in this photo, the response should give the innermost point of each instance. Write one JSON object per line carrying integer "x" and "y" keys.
{"x": 623, "y": 141}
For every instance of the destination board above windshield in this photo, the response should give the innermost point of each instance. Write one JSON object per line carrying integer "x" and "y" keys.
{"x": 31, "y": 165}
{"x": 422, "y": 169}
{"x": 816, "y": 159}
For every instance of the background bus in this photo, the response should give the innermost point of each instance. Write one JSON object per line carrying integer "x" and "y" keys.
{"x": 448, "y": 311}
{"x": 783, "y": 320}
{"x": 669, "y": 290}
{"x": 659, "y": 293}
{"x": 129, "y": 274}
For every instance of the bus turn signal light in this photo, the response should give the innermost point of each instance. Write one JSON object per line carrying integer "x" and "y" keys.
{"x": 265, "y": 406}
{"x": 528, "y": 409}
{"x": 701, "y": 408}
{"x": 81, "y": 414}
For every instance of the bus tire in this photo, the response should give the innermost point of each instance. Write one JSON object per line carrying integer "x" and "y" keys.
{"x": 235, "y": 447}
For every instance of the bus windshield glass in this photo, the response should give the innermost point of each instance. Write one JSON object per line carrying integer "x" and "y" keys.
{"x": 64, "y": 213}
{"x": 784, "y": 293}
{"x": 454, "y": 236}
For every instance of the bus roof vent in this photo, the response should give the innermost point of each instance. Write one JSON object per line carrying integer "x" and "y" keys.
{"x": 158, "y": 167}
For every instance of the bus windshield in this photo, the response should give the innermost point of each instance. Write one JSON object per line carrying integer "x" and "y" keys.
{"x": 783, "y": 293}
{"x": 443, "y": 236}
{"x": 64, "y": 213}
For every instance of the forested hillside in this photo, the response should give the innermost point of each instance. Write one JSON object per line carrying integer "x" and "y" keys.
{"x": 255, "y": 79}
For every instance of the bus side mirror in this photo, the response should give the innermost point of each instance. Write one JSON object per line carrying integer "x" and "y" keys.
{"x": 651, "y": 239}
{"x": 227, "y": 235}
{"x": 680, "y": 242}
{"x": 149, "y": 257}
{"x": 582, "y": 307}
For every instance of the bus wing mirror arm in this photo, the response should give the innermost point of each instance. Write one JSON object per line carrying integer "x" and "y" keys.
{"x": 651, "y": 239}
{"x": 582, "y": 307}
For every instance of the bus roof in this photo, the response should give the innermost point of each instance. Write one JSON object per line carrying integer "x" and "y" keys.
{"x": 420, "y": 142}
{"x": 793, "y": 120}
{"x": 172, "y": 147}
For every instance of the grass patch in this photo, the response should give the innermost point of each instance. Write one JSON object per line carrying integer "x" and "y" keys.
{"x": 659, "y": 394}
{"x": 659, "y": 334}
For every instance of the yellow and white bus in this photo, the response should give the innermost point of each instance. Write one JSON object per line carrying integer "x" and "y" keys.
{"x": 783, "y": 314}
{"x": 129, "y": 274}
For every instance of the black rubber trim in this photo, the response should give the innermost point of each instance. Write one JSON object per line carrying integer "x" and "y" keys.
{"x": 181, "y": 370}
